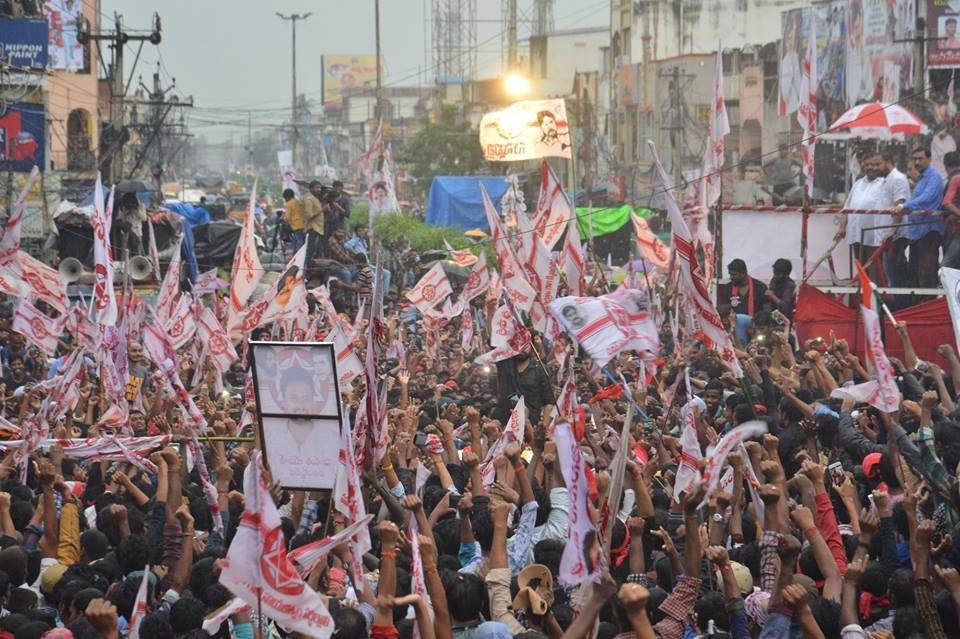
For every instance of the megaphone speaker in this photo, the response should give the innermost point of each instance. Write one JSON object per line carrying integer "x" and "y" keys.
{"x": 71, "y": 269}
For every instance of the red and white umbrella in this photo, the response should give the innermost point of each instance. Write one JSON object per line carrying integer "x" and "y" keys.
{"x": 879, "y": 121}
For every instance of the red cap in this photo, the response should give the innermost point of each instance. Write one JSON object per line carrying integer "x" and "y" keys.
{"x": 871, "y": 465}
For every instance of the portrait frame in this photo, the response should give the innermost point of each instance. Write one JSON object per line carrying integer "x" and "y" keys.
{"x": 308, "y": 361}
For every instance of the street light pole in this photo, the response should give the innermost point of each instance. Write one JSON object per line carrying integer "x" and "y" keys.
{"x": 293, "y": 17}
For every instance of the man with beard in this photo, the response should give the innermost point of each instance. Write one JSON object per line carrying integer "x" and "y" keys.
{"x": 522, "y": 376}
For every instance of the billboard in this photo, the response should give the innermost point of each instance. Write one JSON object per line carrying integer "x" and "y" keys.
{"x": 66, "y": 53}
{"x": 526, "y": 130}
{"x": 23, "y": 43}
{"x": 22, "y": 137}
{"x": 346, "y": 71}
{"x": 943, "y": 45}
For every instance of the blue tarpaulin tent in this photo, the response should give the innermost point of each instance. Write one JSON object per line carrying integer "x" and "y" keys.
{"x": 456, "y": 201}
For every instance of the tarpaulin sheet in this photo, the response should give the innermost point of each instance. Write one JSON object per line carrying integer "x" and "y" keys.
{"x": 456, "y": 201}
{"x": 928, "y": 323}
{"x": 605, "y": 220}
{"x": 215, "y": 244}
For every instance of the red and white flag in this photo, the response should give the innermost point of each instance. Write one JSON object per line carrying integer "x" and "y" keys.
{"x": 348, "y": 364}
{"x": 290, "y": 300}
{"x": 582, "y": 559}
{"x": 807, "y": 113}
{"x": 554, "y": 207}
{"x": 652, "y": 249}
{"x": 209, "y": 282}
{"x": 717, "y": 456}
{"x": 512, "y": 274}
{"x": 460, "y": 257}
{"x": 306, "y": 558}
{"x": 432, "y": 288}
{"x": 694, "y": 284}
{"x": 881, "y": 393}
{"x": 574, "y": 264}
{"x": 43, "y": 281}
{"x": 10, "y": 242}
{"x": 717, "y": 128}
{"x": 478, "y": 281}
{"x": 606, "y": 325}
{"x": 688, "y": 471}
{"x": 218, "y": 346}
{"x": 104, "y": 301}
{"x": 40, "y": 329}
{"x": 247, "y": 270}
{"x": 348, "y": 499}
{"x": 466, "y": 330}
{"x": 169, "y": 288}
{"x": 950, "y": 279}
{"x": 512, "y": 434}
{"x": 257, "y": 570}
{"x": 180, "y": 325}
{"x": 139, "y": 606}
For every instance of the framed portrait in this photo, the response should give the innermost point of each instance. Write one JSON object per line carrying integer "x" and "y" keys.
{"x": 299, "y": 412}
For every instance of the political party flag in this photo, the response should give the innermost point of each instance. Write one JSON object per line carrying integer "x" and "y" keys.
{"x": 431, "y": 289}
{"x": 348, "y": 498}
{"x": 104, "y": 302}
{"x": 10, "y": 242}
{"x": 247, "y": 269}
{"x": 219, "y": 348}
{"x": 881, "y": 393}
{"x": 42, "y": 330}
{"x": 606, "y": 325}
{"x": 582, "y": 558}
{"x": 512, "y": 434}
{"x": 688, "y": 472}
{"x": 807, "y": 113}
{"x": 460, "y": 257}
{"x": 573, "y": 260}
{"x": 139, "y": 606}
{"x": 717, "y": 456}
{"x": 694, "y": 283}
{"x": 512, "y": 274}
{"x": 306, "y": 558}
{"x": 651, "y": 247}
{"x": 554, "y": 207}
{"x": 349, "y": 365}
{"x": 208, "y": 282}
{"x": 170, "y": 287}
{"x": 258, "y": 571}
{"x": 526, "y": 130}
{"x": 950, "y": 278}
{"x": 717, "y": 128}
{"x": 290, "y": 299}
{"x": 42, "y": 281}
{"x": 477, "y": 281}
{"x": 154, "y": 253}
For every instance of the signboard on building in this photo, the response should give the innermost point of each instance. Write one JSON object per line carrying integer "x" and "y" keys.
{"x": 23, "y": 43}
{"x": 22, "y": 137}
{"x": 943, "y": 46}
{"x": 346, "y": 71}
{"x": 526, "y": 131}
{"x": 66, "y": 52}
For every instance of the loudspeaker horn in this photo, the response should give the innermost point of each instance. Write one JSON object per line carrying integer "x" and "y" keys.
{"x": 71, "y": 269}
{"x": 139, "y": 268}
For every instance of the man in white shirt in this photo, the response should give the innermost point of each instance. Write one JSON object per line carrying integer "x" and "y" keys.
{"x": 898, "y": 186}
{"x": 867, "y": 193}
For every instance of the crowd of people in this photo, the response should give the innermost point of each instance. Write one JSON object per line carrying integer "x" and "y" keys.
{"x": 837, "y": 521}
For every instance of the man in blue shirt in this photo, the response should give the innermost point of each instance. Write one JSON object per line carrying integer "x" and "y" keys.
{"x": 924, "y": 237}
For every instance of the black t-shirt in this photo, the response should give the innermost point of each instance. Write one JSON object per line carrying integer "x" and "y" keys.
{"x": 738, "y": 297}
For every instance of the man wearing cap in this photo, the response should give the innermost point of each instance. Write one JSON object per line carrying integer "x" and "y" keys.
{"x": 314, "y": 222}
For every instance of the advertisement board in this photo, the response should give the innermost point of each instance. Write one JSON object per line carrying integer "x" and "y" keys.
{"x": 23, "y": 43}
{"x": 22, "y": 137}
{"x": 65, "y": 51}
{"x": 347, "y": 71}
{"x": 943, "y": 42}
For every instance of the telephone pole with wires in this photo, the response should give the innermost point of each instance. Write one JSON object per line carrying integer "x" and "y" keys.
{"x": 115, "y": 134}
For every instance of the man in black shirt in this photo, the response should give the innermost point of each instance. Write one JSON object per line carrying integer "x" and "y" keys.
{"x": 522, "y": 375}
{"x": 744, "y": 294}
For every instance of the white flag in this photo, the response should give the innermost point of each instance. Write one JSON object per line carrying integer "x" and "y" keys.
{"x": 582, "y": 558}
{"x": 717, "y": 128}
{"x": 247, "y": 270}
{"x": 950, "y": 278}
{"x": 432, "y": 288}
{"x": 257, "y": 570}
{"x": 554, "y": 207}
{"x": 104, "y": 301}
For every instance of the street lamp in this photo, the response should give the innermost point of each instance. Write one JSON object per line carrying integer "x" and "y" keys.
{"x": 516, "y": 85}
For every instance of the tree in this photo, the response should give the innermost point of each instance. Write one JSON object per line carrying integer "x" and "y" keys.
{"x": 444, "y": 147}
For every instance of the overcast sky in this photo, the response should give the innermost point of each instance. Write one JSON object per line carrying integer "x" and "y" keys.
{"x": 234, "y": 55}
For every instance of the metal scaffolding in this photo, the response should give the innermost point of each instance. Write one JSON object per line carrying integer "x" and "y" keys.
{"x": 454, "y": 41}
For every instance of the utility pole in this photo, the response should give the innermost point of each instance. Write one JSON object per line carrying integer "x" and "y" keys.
{"x": 376, "y": 27}
{"x": 293, "y": 17}
{"x": 512, "y": 36}
{"x": 112, "y": 155}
